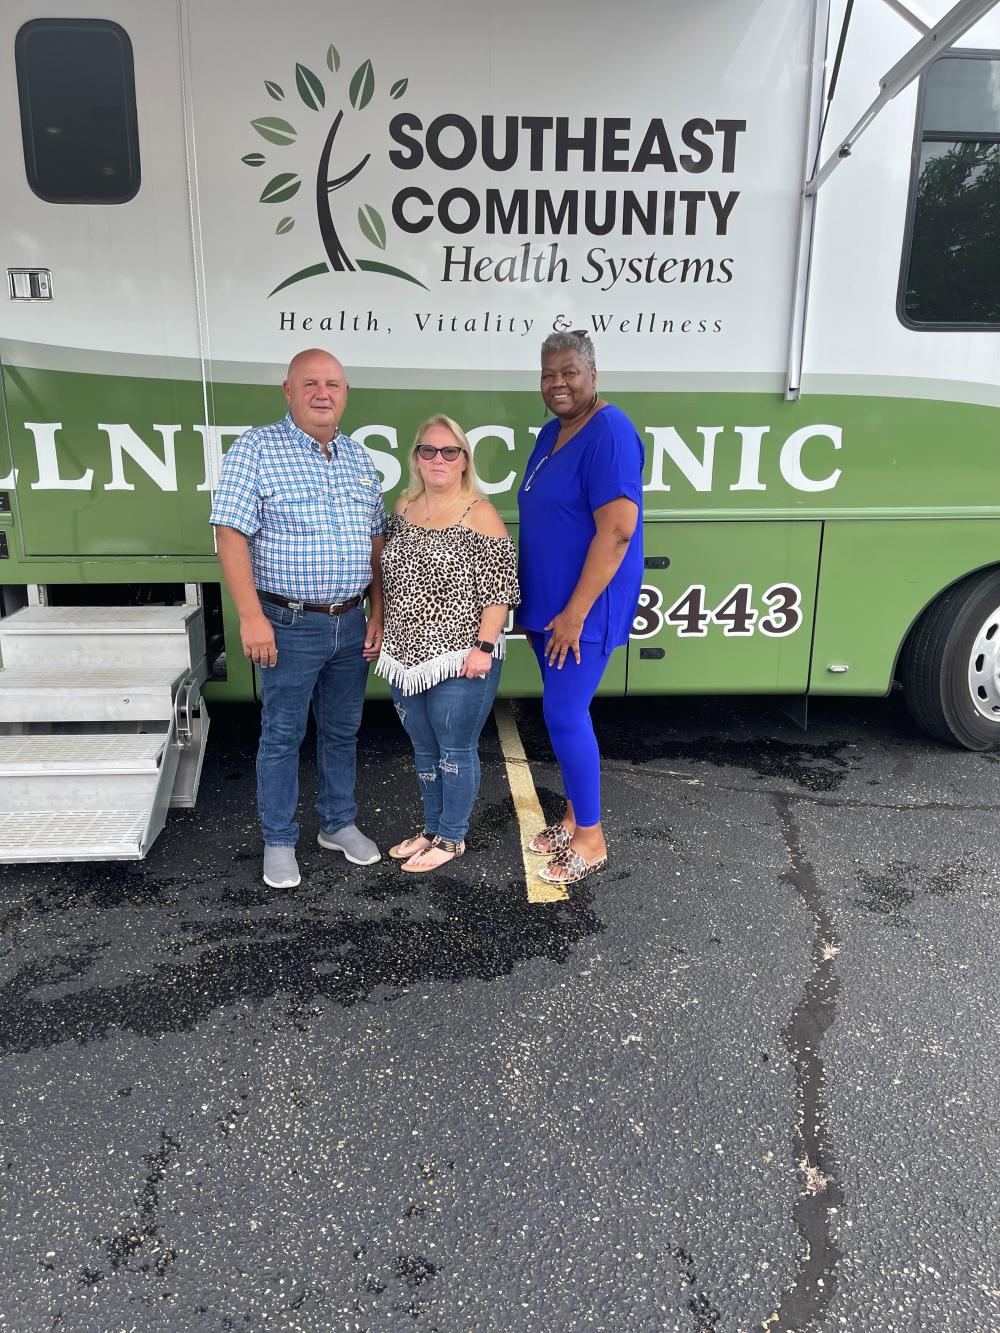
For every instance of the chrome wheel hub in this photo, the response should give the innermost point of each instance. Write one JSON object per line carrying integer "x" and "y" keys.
{"x": 984, "y": 669}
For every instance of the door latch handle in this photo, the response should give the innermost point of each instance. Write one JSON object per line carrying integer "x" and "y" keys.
{"x": 29, "y": 284}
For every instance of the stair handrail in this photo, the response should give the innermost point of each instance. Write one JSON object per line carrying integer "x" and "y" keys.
{"x": 182, "y": 710}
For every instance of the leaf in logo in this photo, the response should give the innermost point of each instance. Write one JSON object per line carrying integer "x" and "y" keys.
{"x": 362, "y": 86}
{"x": 254, "y": 159}
{"x": 310, "y": 88}
{"x": 398, "y": 88}
{"x": 279, "y": 189}
{"x": 274, "y": 130}
{"x": 376, "y": 266}
{"x": 372, "y": 226}
{"x": 313, "y": 271}
{"x": 332, "y": 59}
{"x": 286, "y": 224}
{"x": 275, "y": 89}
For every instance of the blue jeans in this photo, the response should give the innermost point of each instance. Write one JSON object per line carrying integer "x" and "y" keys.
{"x": 320, "y": 662}
{"x": 444, "y": 723}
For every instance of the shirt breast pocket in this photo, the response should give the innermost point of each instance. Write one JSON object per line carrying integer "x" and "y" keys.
{"x": 296, "y": 511}
{"x": 359, "y": 508}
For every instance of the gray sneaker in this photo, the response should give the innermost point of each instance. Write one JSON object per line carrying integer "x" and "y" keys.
{"x": 353, "y": 843}
{"x": 281, "y": 870}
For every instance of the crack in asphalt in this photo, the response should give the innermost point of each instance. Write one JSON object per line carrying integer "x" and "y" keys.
{"x": 804, "y": 1304}
{"x": 121, "y": 1247}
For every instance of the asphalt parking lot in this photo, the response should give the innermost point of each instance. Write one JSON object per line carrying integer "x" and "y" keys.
{"x": 746, "y": 1079}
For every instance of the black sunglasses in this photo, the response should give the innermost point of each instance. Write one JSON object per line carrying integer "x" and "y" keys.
{"x": 449, "y": 452}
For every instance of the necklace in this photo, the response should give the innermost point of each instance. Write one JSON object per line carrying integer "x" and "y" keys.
{"x": 578, "y": 423}
{"x": 446, "y": 508}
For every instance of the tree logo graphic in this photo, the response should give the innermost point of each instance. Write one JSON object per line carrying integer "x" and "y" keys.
{"x": 286, "y": 185}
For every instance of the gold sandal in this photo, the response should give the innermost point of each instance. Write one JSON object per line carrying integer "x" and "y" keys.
{"x": 573, "y": 864}
{"x": 445, "y": 845}
{"x": 398, "y": 854}
{"x": 558, "y": 836}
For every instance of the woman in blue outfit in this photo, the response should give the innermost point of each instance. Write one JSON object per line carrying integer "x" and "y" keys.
{"x": 580, "y": 572}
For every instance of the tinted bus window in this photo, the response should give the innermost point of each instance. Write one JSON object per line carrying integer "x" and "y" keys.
{"x": 76, "y": 88}
{"x": 951, "y": 273}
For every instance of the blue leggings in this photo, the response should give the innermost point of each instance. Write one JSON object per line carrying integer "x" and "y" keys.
{"x": 566, "y": 697}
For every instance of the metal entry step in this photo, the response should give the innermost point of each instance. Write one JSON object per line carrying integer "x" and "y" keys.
{"x": 56, "y": 754}
{"x": 92, "y": 695}
{"x": 73, "y": 835}
{"x": 93, "y": 636}
{"x": 79, "y": 772}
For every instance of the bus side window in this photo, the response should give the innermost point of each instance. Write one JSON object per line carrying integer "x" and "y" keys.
{"x": 951, "y": 259}
{"x": 76, "y": 88}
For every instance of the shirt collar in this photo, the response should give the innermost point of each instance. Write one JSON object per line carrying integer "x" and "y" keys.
{"x": 303, "y": 437}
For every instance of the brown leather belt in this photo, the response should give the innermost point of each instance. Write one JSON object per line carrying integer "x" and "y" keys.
{"x": 337, "y": 609}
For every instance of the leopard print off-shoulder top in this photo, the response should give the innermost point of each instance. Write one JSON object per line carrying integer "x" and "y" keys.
{"x": 436, "y": 583}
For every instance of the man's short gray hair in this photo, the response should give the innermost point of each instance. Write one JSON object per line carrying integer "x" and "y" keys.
{"x": 573, "y": 340}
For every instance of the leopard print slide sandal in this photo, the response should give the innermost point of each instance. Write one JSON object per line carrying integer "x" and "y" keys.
{"x": 551, "y": 839}
{"x": 569, "y": 867}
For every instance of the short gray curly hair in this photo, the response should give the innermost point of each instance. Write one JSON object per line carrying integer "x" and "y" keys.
{"x": 573, "y": 340}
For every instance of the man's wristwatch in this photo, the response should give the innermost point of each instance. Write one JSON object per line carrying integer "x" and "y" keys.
{"x": 484, "y": 647}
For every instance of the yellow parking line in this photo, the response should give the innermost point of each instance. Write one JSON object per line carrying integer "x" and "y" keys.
{"x": 526, "y": 804}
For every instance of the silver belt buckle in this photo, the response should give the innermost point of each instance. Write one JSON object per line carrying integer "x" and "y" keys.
{"x": 294, "y": 606}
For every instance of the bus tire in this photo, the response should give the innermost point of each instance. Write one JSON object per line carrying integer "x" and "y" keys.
{"x": 951, "y": 665}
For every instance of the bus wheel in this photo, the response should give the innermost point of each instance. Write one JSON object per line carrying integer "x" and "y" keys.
{"x": 951, "y": 665}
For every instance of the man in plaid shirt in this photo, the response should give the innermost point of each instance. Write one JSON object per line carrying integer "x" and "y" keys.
{"x": 300, "y": 526}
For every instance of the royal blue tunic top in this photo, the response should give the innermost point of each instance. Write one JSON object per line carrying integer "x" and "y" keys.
{"x": 557, "y": 500}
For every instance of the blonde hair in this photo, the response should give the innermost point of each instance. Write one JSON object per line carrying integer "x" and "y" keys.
{"x": 470, "y": 482}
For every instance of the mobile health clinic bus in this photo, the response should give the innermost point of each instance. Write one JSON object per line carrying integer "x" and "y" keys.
{"x": 778, "y": 219}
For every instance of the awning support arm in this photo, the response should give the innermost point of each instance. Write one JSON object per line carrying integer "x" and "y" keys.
{"x": 807, "y": 204}
{"x": 958, "y": 20}
{"x": 910, "y": 15}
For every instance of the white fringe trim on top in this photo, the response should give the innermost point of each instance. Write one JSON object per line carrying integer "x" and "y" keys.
{"x": 411, "y": 680}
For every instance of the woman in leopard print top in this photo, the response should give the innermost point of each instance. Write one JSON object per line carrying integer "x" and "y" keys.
{"x": 449, "y": 577}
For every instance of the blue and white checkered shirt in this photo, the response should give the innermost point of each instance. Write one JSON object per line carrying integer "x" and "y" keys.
{"x": 309, "y": 522}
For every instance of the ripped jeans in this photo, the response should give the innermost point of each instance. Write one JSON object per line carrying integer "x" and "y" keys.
{"x": 444, "y": 723}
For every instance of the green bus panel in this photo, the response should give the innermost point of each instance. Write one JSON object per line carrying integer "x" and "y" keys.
{"x": 114, "y": 476}
{"x": 731, "y": 612}
{"x": 80, "y": 490}
{"x": 876, "y": 578}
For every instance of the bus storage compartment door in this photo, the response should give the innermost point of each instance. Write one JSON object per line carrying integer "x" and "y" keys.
{"x": 730, "y": 606}
{"x": 879, "y": 576}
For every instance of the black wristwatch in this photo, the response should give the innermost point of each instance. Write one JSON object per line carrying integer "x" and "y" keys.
{"x": 484, "y": 647}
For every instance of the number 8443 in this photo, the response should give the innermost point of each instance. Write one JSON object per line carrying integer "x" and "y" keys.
{"x": 735, "y": 614}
